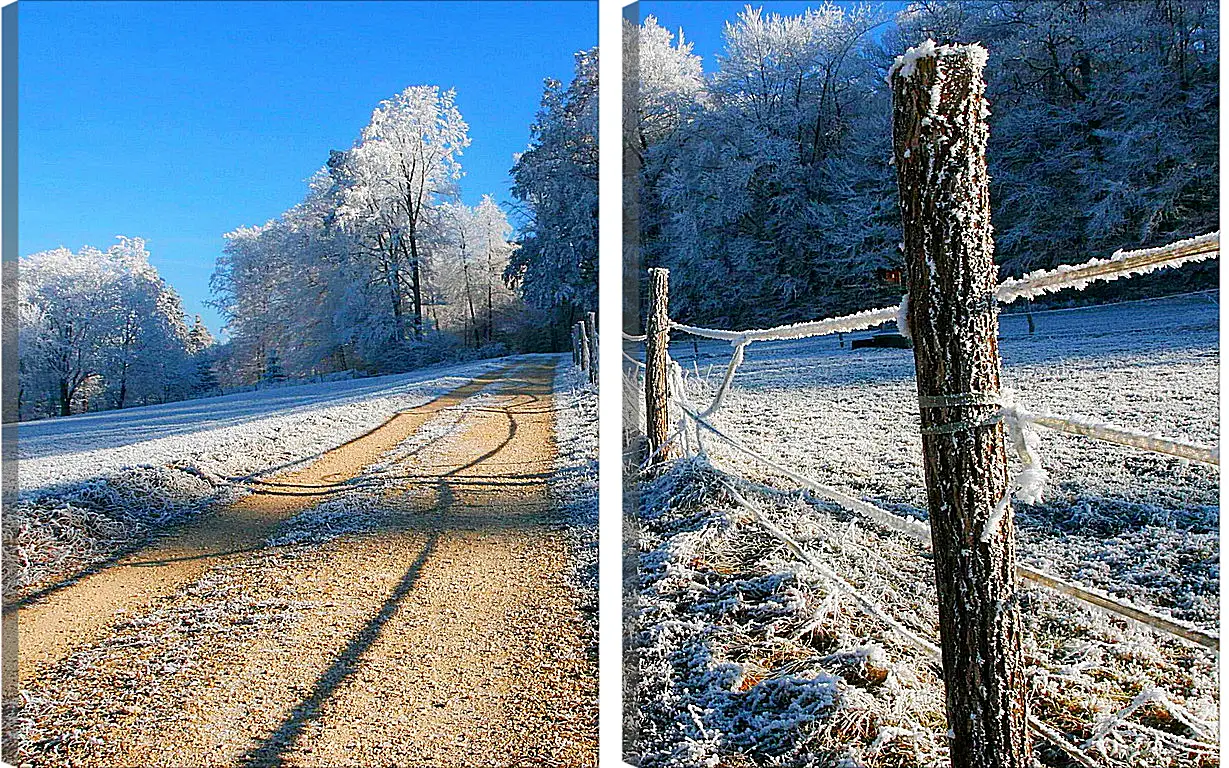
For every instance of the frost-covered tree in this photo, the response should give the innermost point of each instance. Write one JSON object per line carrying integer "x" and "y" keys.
{"x": 298, "y": 284}
{"x": 199, "y": 337}
{"x": 379, "y": 269}
{"x": 250, "y": 282}
{"x": 495, "y": 249}
{"x": 202, "y": 346}
{"x": 555, "y": 183}
{"x": 462, "y": 287}
{"x": 769, "y": 192}
{"x": 473, "y": 254}
{"x": 668, "y": 82}
{"x": 391, "y": 183}
{"x": 99, "y": 329}
{"x": 664, "y": 92}
{"x": 1103, "y": 120}
{"x": 748, "y": 197}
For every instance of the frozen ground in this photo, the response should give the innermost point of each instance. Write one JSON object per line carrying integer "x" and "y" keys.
{"x": 574, "y": 483}
{"x": 94, "y": 484}
{"x": 739, "y": 643}
{"x": 410, "y": 605}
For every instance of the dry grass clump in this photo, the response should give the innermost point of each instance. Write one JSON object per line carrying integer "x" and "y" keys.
{"x": 737, "y": 643}
{"x": 58, "y": 535}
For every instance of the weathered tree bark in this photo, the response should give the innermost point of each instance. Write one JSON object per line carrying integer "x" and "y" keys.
{"x": 416, "y": 283}
{"x": 656, "y": 374}
{"x": 490, "y": 297}
{"x": 939, "y": 137}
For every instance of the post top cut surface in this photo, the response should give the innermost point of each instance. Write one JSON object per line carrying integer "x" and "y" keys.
{"x": 906, "y": 64}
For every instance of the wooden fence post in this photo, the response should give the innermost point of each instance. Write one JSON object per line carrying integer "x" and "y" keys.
{"x": 656, "y": 361}
{"x": 591, "y": 324}
{"x": 939, "y": 138}
{"x": 575, "y": 347}
{"x": 584, "y": 345}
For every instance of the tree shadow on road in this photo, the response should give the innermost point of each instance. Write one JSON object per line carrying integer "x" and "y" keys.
{"x": 271, "y": 751}
{"x": 450, "y": 488}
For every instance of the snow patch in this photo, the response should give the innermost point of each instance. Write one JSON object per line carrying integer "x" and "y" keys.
{"x": 906, "y": 64}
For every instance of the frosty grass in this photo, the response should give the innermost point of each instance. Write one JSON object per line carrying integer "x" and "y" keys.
{"x": 740, "y": 649}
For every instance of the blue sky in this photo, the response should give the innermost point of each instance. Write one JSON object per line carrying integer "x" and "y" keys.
{"x": 179, "y": 121}
{"x": 703, "y": 20}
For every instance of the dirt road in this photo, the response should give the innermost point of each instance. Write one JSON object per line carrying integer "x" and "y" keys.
{"x": 441, "y": 630}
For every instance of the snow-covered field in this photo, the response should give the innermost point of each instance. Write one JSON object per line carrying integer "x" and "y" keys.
{"x": 1139, "y": 524}
{"x": 739, "y": 642}
{"x": 92, "y": 484}
{"x": 220, "y": 433}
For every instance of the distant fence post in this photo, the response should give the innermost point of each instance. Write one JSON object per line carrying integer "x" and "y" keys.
{"x": 575, "y": 347}
{"x": 656, "y": 362}
{"x": 591, "y": 324}
{"x": 939, "y": 138}
{"x": 583, "y": 345}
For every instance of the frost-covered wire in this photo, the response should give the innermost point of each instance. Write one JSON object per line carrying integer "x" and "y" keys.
{"x": 920, "y": 531}
{"x": 832, "y": 576}
{"x": 1078, "y": 276}
{"x": 1146, "y": 441}
{"x": 859, "y": 321}
{"x": 1121, "y": 264}
{"x": 1135, "y": 614}
{"x": 915, "y": 528}
{"x": 631, "y": 359}
{"x": 1031, "y": 479}
{"x": 676, "y": 383}
{"x": 1028, "y": 484}
{"x": 629, "y": 337}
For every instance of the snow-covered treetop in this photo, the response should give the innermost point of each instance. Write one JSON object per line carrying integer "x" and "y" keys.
{"x": 406, "y": 157}
{"x": 668, "y": 78}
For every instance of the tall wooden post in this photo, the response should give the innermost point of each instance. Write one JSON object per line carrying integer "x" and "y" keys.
{"x": 584, "y": 345}
{"x": 575, "y": 347}
{"x": 591, "y": 325}
{"x": 939, "y": 139}
{"x": 656, "y": 361}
